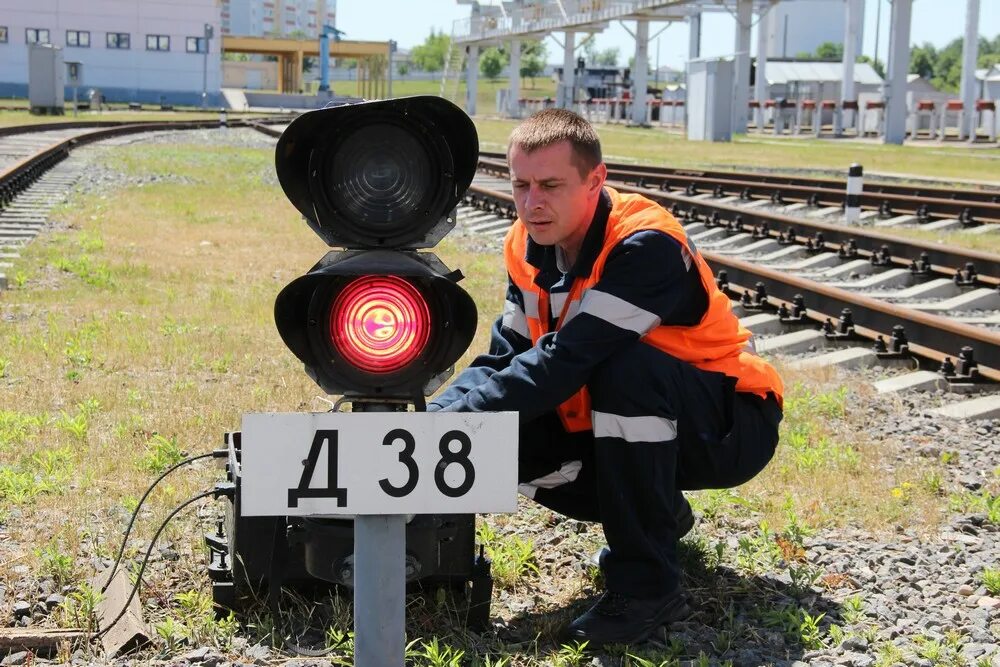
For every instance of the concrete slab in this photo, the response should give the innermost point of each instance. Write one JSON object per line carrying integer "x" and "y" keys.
{"x": 868, "y": 217}
{"x": 791, "y": 343}
{"x": 734, "y": 241}
{"x": 728, "y": 199}
{"x": 862, "y": 267}
{"x": 493, "y": 225}
{"x": 763, "y": 245}
{"x": 984, "y": 407}
{"x": 762, "y": 323}
{"x": 792, "y": 208}
{"x": 818, "y": 261}
{"x": 898, "y": 220}
{"x": 887, "y": 278}
{"x": 851, "y": 357}
{"x": 825, "y": 212}
{"x": 3, "y": 281}
{"x": 987, "y": 228}
{"x": 939, "y": 288}
{"x": 916, "y": 381}
{"x": 694, "y": 228}
{"x": 706, "y": 236}
{"x": 941, "y": 225}
{"x": 788, "y": 252}
{"x": 983, "y": 298}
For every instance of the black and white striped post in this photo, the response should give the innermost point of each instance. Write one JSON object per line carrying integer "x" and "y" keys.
{"x": 852, "y": 207}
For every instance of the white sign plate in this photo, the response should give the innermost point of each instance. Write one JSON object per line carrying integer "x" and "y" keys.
{"x": 328, "y": 463}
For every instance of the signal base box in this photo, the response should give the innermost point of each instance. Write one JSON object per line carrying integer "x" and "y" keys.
{"x": 710, "y": 100}
{"x": 46, "y": 79}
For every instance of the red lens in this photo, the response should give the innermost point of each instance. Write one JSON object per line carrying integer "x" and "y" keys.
{"x": 380, "y": 324}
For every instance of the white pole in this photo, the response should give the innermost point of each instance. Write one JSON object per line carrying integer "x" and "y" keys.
{"x": 970, "y": 52}
{"x": 471, "y": 79}
{"x": 565, "y": 101}
{"x": 852, "y": 31}
{"x": 640, "y": 72}
{"x": 899, "y": 65}
{"x": 741, "y": 78}
{"x": 760, "y": 84}
{"x": 514, "y": 98}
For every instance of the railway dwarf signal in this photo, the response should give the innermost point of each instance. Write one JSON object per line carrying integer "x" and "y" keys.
{"x": 377, "y": 319}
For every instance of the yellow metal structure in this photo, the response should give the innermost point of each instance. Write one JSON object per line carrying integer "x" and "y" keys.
{"x": 371, "y": 57}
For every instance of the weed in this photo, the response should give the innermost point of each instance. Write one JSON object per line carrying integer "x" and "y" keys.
{"x": 836, "y": 634}
{"x": 161, "y": 453}
{"x": 803, "y": 577}
{"x": 76, "y": 425}
{"x": 16, "y": 428}
{"x": 173, "y": 633}
{"x": 4, "y": 365}
{"x": 18, "y": 486}
{"x": 436, "y": 654}
{"x": 853, "y": 610}
{"x": 571, "y": 655}
{"x": 932, "y": 482}
{"x": 79, "y": 609}
{"x": 753, "y": 554}
{"x": 513, "y": 557}
{"x": 711, "y": 502}
{"x": 57, "y": 565}
{"x": 983, "y": 502}
{"x": 949, "y": 457}
{"x": 991, "y": 580}
{"x": 809, "y": 632}
{"x": 20, "y": 279}
{"x": 888, "y": 654}
{"x": 196, "y": 615}
{"x": 95, "y": 274}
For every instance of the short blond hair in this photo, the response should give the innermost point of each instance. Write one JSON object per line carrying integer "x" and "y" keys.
{"x": 553, "y": 126}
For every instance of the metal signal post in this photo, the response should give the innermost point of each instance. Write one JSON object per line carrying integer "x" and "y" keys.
{"x": 381, "y": 496}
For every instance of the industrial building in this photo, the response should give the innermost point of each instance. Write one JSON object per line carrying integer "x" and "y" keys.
{"x": 150, "y": 51}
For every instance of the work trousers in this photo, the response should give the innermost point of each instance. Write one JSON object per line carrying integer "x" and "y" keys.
{"x": 660, "y": 426}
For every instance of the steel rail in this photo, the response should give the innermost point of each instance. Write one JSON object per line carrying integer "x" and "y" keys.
{"x": 983, "y": 203}
{"x": 23, "y": 173}
{"x": 937, "y": 335}
{"x": 944, "y": 260}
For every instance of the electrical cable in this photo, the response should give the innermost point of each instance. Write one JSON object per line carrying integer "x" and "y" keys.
{"x": 218, "y": 453}
{"x": 145, "y": 561}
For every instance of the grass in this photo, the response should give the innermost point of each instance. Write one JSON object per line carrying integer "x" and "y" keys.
{"x": 142, "y": 333}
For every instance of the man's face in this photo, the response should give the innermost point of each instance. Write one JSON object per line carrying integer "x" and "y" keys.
{"x": 553, "y": 200}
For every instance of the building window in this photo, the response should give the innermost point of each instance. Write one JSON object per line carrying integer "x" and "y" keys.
{"x": 157, "y": 43}
{"x": 3, "y": 34}
{"x": 36, "y": 35}
{"x": 197, "y": 45}
{"x": 118, "y": 40}
{"x": 78, "y": 38}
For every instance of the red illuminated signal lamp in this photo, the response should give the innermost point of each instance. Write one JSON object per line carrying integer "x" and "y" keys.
{"x": 380, "y": 324}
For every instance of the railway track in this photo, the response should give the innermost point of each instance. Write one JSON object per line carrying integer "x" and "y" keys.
{"x": 836, "y": 308}
{"x": 890, "y": 201}
{"x": 35, "y": 174}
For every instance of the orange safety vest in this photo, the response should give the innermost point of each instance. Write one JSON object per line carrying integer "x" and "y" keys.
{"x": 717, "y": 343}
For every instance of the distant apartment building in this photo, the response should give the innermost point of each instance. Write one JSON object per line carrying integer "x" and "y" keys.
{"x": 132, "y": 50}
{"x": 258, "y": 18}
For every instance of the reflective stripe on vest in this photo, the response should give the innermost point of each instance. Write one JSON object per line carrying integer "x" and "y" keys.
{"x": 717, "y": 343}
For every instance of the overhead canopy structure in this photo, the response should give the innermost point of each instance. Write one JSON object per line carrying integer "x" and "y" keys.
{"x": 373, "y": 58}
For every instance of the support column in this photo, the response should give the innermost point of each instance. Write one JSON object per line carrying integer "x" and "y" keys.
{"x": 640, "y": 72}
{"x": 471, "y": 79}
{"x": 564, "y": 95}
{"x": 760, "y": 83}
{"x": 514, "y": 94}
{"x": 970, "y": 52}
{"x": 899, "y": 64}
{"x": 853, "y": 31}
{"x": 741, "y": 77}
{"x": 694, "y": 37}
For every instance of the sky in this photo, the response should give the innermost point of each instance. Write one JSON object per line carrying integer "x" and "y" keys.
{"x": 410, "y": 21}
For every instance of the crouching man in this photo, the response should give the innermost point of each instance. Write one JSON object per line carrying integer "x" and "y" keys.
{"x": 633, "y": 378}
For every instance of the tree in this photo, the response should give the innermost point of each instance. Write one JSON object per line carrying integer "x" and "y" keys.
{"x": 532, "y": 60}
{"x": 403, "y": 69}
{"x": 430, "y": 55}
{"x": 830, "y": 51}
{"x": 608, "y": 57}
{"x": 491, "y": 63}
{"x": 922, "y": 60}
{"x": 877, "y": 65}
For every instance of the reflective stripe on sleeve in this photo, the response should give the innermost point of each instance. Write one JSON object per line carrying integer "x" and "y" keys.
{"x": 514, "y": 319}
{"x": 530, "y": 304}
{"x": 556, "y": 302}
{"x": 619, "y": 312}
{"x": 634, "y": 429}
{"x": 567, "y": 473}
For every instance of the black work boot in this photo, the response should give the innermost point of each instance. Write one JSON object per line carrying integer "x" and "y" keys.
{"x": 617, "y": 619}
